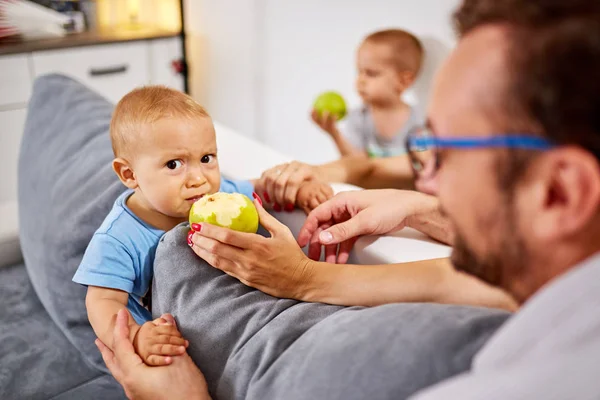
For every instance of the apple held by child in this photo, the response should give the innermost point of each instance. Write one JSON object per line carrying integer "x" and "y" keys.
{"x": 333, "y": 103}
{"x": 229, "y": 210}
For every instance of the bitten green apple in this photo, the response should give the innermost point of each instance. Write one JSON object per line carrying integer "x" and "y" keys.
{"x": 229, "y": 210}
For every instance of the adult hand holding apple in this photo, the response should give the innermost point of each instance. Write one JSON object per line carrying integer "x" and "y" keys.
{"x": 275, "y": 265}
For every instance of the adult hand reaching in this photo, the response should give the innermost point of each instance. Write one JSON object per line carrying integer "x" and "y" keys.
{"x": 339, "y": 222}
{"x": 179, "y": 380}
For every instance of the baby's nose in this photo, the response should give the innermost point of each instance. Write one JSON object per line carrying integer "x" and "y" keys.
{"x": 196, "y": 180}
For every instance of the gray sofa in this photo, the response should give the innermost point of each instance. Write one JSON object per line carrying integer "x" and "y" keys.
{"x": 46, "y": 345}
{"x": 66, "y": 187}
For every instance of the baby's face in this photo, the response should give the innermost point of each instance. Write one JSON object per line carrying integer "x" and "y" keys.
{"x": 378, "y": 80}
{"x": 175, "y": 164}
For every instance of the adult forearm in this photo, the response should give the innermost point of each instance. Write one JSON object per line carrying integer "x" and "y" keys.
{"x": 371, "y": 285}
{"x": 351, "y": 169}
{"x": 369, "y": 173}
{"x": 421, "y": 281}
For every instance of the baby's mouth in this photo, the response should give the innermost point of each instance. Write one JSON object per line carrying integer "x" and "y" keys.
{"x": 195, "y": 198}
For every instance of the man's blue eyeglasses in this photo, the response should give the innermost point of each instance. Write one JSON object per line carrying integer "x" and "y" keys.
{"x": 422, "y": 139}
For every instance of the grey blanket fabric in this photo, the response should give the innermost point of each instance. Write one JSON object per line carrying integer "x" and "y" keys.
{"x": 37, "y": 362}
{"x": 252, "y": 345}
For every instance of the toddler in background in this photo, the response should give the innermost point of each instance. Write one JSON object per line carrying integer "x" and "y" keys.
{"x": 387, "y": 62}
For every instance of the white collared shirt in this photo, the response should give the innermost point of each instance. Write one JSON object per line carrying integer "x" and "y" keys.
{"x": 549, "y": 350}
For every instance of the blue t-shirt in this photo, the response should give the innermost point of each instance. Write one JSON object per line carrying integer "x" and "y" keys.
{"x": 121, "y": 252}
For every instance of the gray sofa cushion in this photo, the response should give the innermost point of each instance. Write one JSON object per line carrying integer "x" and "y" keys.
{"x": 36, "y": 359}
{"x": 66, "y": 188}
{"x": 252, "y": 345}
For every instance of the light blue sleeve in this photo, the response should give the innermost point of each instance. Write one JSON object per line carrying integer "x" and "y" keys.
{"x": 243, "y": 187}
{"x": 106, "y": 263}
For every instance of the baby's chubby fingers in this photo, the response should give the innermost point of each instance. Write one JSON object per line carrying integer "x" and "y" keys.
{"x": 314, "y": 203}
{"x": 326, "y": 192}
{"x": 169, "y": 330}
{"x": 314, "y": 115}
{"x": 162, "y": 349}
{"x": 170, "y": 320}
{"x": 172, "y": 340}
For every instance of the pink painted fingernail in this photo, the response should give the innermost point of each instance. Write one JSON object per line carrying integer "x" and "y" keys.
{"x": 257, "y": 198}
{"x": 289, "y": 207}
{"x": 189, "y": 237}
{"x": 196, "y": 227}
{"x": 266, "y": 197}
{"x": 277, "y": 207}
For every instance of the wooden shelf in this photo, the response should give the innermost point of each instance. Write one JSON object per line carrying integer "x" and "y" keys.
{"x": 16, "y": 45}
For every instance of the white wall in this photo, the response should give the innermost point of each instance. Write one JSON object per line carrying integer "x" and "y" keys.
{"x": 264, "y": 61}
{"x": 224, "y": 60}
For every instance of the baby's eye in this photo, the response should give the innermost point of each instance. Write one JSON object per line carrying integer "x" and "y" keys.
{"x": 174, "y": 164}
{"x": 207, "y": 158}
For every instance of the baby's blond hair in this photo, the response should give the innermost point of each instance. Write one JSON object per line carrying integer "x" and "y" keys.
{"x": 147, "y": 105}
{"x": 407, "y": 50}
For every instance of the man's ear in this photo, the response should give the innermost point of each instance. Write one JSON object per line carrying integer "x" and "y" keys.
{"x": 571, "y": 197}
{"x": 123, "y": 170}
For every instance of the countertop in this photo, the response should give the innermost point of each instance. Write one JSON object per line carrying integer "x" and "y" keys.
{"x": 16, "y": 45}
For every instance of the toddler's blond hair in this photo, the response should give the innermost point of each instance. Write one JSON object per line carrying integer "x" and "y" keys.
{"x": 407, "y": 50}
{"x": 147, "y": 105}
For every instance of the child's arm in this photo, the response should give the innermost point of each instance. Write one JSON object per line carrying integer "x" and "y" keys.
{"x": 327, "y": 122}
{"x": 153, "y": 341}
{"x": 311, "y": 194}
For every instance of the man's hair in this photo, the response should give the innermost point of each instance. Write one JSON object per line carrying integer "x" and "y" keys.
{"x": 553, "y": 64}
{"x": 147, "y": 105}
{"x": 407, "y": 50}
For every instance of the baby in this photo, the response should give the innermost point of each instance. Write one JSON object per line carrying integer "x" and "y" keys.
{"x": 166, "y": 155}
{"x": 388, "y": 62}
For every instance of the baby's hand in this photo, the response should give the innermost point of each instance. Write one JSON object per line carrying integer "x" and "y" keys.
{"x": 156, "y": 341}
{"x": 325, "y": 121}
{"x": 312, "y": 193}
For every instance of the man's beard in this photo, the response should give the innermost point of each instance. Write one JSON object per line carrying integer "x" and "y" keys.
{"x": 504, "y": 256}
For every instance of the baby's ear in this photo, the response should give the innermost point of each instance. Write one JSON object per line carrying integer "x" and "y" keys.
{"x": 124, "y": 172}
{"x": 406, "y": 79}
